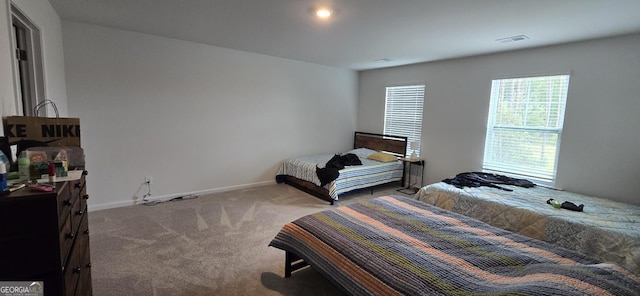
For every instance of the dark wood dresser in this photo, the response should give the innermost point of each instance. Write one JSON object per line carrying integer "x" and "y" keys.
{"x": 44, "y": 236}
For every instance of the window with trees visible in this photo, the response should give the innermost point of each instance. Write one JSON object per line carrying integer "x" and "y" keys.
{"x": 403, "y": 114}
{"x": 525, "y": 122}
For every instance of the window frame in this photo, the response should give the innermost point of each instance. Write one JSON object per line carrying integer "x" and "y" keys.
{"x": 491, "y": 127}
{"x": 413, "y": 134}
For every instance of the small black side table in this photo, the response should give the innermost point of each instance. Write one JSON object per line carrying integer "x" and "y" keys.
{"x": 411, "y": 189}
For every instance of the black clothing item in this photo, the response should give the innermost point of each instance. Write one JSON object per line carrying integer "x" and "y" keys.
{"x": 326, "y": 175}
{"x": 351, "y": 159}
{"x": 477, "y": 179}
{"x": 335, "y": 162}
{"x": 331, "y": 169}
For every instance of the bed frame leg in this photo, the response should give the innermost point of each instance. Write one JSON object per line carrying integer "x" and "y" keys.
{"x": 287, "y": 264}
{"x": 292, "y": 262}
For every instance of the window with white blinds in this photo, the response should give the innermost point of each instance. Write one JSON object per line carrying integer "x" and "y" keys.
{"x": 403, "y": 114}
{"x": 524, "y": 127}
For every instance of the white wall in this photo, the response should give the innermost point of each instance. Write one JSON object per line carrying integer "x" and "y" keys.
{"x": 46, "y": 19}
{"x": 197, "y": 118}
{"x": 599, "y": 149}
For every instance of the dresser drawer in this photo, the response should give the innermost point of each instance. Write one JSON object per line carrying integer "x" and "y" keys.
{"x": 76, "y": 187}
{"x": 82, "y": 240}
{"x": 83, "y": 197}
{"x": 72, "y": 274}
{"x": 77, "y": 212}
{"x": 65, "y": 202}
{"x": 79, "y": 262}
{"x": 66, "y": 239}
{"x": 84, "y": 286}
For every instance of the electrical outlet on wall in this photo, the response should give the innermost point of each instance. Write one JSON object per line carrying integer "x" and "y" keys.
{"x": 148, "y": 179}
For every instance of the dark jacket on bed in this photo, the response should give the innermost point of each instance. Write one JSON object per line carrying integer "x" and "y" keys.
{"x": 331, "y": 169}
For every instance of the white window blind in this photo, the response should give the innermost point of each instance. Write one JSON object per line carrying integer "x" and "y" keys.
{"x": 524, "y": 127}
{"x": 403, "y": 114}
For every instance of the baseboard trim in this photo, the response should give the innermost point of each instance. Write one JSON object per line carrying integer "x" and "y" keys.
{"x": 127, "y": 203}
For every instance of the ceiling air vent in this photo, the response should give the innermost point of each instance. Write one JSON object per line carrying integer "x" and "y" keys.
{"x": 512, "y": 39}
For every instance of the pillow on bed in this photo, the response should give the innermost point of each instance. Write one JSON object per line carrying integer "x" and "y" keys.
{"x": 362, "y": 152}
{"x": 383, "y": 157}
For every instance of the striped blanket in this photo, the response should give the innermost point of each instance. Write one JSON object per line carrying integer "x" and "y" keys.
{"x": 370, "y": 173}
{"x": 394, "y": 245}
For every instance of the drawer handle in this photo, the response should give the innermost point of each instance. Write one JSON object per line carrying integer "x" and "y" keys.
{"x": 86, "y": 196}
{"x": 70, "y": 235}
{"x": 88, "y": 265}
{"x": 77, "y": 270}
{"x": 86, "y": 231}
{"x": 78, "y": 185}
{"x": 79, "y": 213}
{"x": 67, "y": 202}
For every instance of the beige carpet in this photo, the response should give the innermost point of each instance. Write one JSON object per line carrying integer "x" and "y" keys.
{"x": 212, "y": 245}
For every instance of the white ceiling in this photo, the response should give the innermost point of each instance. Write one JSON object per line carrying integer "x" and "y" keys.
{"x": 363, "y": 31}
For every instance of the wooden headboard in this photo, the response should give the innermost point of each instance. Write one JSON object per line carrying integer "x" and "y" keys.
{"x": 396, "y": 145}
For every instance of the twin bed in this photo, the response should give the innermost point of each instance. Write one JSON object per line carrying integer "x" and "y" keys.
{"x": 606, "y": 230}
{"x": 459, "y": 241}
{"x": 301, "y": 171}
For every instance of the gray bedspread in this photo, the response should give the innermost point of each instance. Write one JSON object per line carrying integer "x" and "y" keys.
{"x": 607, "y": 230}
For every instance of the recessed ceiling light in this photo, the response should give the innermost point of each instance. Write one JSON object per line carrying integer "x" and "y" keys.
{"x": 324, "y": 13}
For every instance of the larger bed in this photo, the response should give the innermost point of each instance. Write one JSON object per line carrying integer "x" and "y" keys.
{"x": 606, "y": 230}
{"x": 395, "y": 245}
{"x": 301, "y": 171}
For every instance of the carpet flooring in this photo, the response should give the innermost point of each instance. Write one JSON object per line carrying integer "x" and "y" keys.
{"x": 215, "y": 244}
